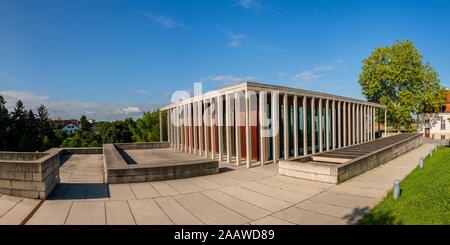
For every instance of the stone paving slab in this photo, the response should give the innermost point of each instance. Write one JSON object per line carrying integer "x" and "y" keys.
{"x": 201, "y": 181}
{"x": 118, "y": 213}
{"x": 304, "y": 217}
{"x": 222, "y": 180}
{"x": 277, "y": 193}
{"x": 184, "y": 186}
{"x": 270, "y": 220}
{"x": 19, "y": 212}
{"x": 143, "y": 190}
{"x": 7, "y": 203}
{"x": 147, "y": 212}
{"x": 177, "y": 213}
{"x": 208, "y": 211}
{"x": 359, "y": 191}
{"x": 121, "y": 192}
{"x": 331, "y": 210}
{"x": 246, "y": 209}
{"x": 51, "y": 213}
{"x": 257, "y": 199}
{"x": 164, "y": 189}
{"x": 345, "y": 200}
{"x": 87, "y": 213}
{"x": 301, "y": 189}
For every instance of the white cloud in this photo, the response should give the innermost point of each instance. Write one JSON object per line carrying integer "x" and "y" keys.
{"x": 131, "y": 109}
{"x": 306, "y": 76}
{"x": 5, "y": 76}
{"x": 249, "y": 4}
{"x": 163, "y": 21}
{"x": 231, "y": 78}
{"x": 74, "y": 109}
{"x": 315, "y": 73}
{"x": 13, "y": 95}
{"x": 139, "y": 91}
{"x": 235, "y": 40}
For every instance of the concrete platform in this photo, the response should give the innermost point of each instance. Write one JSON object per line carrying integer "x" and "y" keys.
{"x": 143, "y": 162}
{"x": 338, "y": 165}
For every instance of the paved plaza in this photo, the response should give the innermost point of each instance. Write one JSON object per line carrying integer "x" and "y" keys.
{"x": 237, "y": 195}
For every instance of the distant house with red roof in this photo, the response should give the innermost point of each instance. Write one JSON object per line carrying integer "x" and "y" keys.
{"x": 436, "y": 125}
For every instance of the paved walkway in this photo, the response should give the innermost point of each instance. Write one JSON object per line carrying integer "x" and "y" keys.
{"x": 239, "y": 196}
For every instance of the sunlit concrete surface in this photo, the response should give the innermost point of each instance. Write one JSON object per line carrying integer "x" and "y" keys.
{"x": 237, "y": 195}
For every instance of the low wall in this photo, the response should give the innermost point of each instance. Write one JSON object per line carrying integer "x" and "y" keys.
{"x": 141, "y": 145}
{"x": 305, "y": 168}
{"x": 83, "y": 150}
{"x": 374, "y": 159}
{"x": 117, "y": 170}
{"x": 30, "y": 175}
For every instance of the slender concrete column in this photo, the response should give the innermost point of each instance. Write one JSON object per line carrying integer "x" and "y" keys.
{"x": 212, "y": 111}
{"x": 320, "y": 126}
{"x": 305, "y": 131}
{"x": 175, "y": 126}
{"x": 191, "y": 147}
{"x": 344, "y": 124}
{"x": 262, "y": 122}
{"x": 361, "y": 120}
{"x": 275, "y": 128}
{"x": 286, "y": 126}
{"x": 295, "y": 126}
{"x": 379, "y": 122}
{"x": 365, "y": 123}
{"x": 248, "y": 129}
{"x": 339, "y": 141}
{"x": 186, "y": 128}
{"x": 238, "y": 128}
{"x": 195, "y": 117}
{"x": 353, "y": 124}
{"x": 327, "y": 126}
{"x": 220, "y": 125}
{"x": 313, "y": 133}
{"x": 207, "y": 132}
{"x": 373, "y": 122}
{"x": 229, "y": 124}
{"x": 333, "y": 123}
{"x": 181, "y": 124}
{"x": 349, "y": 124}
{"x": 357, "y": 123}
{"x": 200, "y": 126}
{"x": 168, "y": 126}
{"x": 160, "y": 126}
{"x": 385, "y": 122}
{"x": 369, "y": 119}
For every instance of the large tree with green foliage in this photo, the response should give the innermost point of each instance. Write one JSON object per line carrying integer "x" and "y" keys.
{"x": 4, "y": 123}
{"x": 395, "y": 76}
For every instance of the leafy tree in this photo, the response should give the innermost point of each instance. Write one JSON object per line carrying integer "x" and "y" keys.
{"x": 85, "y": 125}
{"x": 43, "y": 113}
{"x": 396, "y": 77}
{"x": 4, "y": 123}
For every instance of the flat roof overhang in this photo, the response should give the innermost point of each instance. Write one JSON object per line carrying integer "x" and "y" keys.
{"x": 252, "y": 86}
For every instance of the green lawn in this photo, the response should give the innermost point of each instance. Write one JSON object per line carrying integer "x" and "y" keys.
{"x": 424, "y": 199}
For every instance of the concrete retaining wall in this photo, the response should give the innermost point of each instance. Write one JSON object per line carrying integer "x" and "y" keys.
{"x": 29, "y": 178}
{"x": 374, "y": 159}
{"x": 142, "y": 145}
{"x": 117, "y": 170}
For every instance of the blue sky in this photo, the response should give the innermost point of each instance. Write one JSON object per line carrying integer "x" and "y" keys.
{"x": 111, "y": 59}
